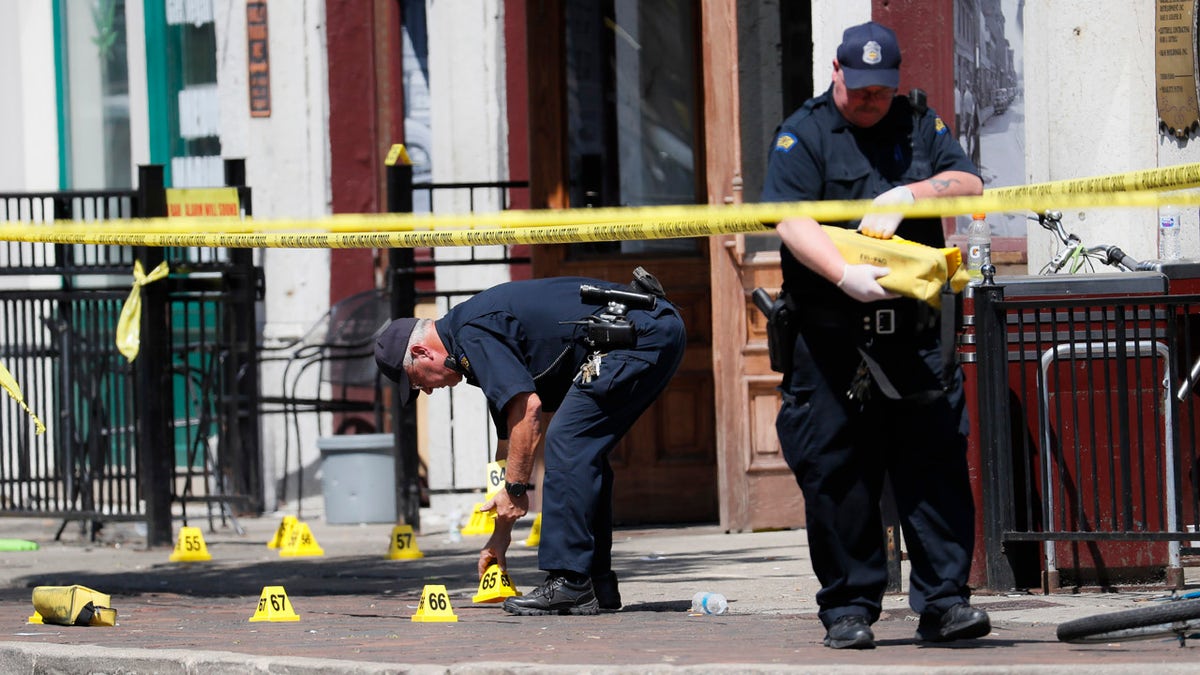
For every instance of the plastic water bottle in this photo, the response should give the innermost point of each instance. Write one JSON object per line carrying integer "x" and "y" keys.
{"x": 979, "y": 245}
{"x": 1168, "y": 233}
{"x": 709, "y": 603}
{"x": 455, "y": 524}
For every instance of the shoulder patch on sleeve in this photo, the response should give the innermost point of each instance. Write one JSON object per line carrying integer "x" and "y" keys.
{"x": 784, "y": 142}
{"x": 939, "y": 127}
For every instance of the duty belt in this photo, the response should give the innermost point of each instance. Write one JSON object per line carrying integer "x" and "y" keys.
{"x": 870, "y": 321}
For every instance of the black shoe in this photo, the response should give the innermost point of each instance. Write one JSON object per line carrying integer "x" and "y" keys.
{"x": 850, "y": 632}
{"x": 960, "y": 622}
{"x": 608, "y": 596}
{"x": 556, "y": 595}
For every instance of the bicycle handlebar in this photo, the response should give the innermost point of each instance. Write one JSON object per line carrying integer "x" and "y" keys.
{"x": 1072, "y": 245}
{"x": 1115, "y": 256}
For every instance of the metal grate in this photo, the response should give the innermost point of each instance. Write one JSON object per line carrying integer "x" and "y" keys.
{"x": 1090, "y": 425}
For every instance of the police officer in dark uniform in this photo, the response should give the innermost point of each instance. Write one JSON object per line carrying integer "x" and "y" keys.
{"x": 551, "y": 345}
{"x": 870, "y": 389}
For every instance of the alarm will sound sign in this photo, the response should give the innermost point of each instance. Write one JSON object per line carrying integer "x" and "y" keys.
{"x": 258, "y": 58}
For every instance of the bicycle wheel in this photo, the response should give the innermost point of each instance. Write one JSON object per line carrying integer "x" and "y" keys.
{"x": 1144, "y": 623}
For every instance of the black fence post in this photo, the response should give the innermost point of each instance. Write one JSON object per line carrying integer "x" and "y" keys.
{"x": 242, "y": 366}
{"x": 156, "y": 445}
{"x": 402, "y": 279}
{"x": 995, "y": 432}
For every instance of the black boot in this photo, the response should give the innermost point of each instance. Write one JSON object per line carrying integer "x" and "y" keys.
{"x": 850, "y": 632}
{"x": 556, "y": 595}
{"x": 608, "y": 596}
{"x": 960, "y": 622}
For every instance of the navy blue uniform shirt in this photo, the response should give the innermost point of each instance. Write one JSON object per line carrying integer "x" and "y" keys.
{"x": 511, "y": 339}
{"x": 818, "y": 155}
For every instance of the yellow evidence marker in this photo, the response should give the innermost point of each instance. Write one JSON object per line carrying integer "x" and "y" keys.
{"x": 495, "y": 477}
{"x": 495, "y": 586}
{"x": 403, "y": 545}
{"x": 273, "y": 605}
{"x": 435, "y": 605}
{"x": 482, "y": 522}
{"x": 190, "y": 546}
{"x": 282, "y": 532}
{"x": 535, "y": 532}
{"x": 300, "y": 543}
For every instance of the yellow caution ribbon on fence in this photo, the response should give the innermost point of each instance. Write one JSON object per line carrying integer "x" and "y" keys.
{"x": 129, "y": 325}
{"x": 9, "y": 383}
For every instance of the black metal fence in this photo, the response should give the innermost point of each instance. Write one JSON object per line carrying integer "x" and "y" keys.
{"x": 412, "y": 280}
{"x": 1088, "y": 429}
{"x": 126, "y": 441}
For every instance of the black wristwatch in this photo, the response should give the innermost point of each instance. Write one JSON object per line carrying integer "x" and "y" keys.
{"x": 517, "y": 489}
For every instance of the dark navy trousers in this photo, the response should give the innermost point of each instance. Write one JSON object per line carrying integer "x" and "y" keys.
{"x": 840, "y": 449}
{"x": 577, "y": 503}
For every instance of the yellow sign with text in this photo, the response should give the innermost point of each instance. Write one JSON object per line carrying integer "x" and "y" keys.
{"x": 203, "y": 203}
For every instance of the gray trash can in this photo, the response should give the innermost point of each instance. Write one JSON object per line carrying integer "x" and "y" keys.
{"x": 358, "y": 478}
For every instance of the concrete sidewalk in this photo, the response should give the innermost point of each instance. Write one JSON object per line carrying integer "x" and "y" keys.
{"x": 355, "y": 609}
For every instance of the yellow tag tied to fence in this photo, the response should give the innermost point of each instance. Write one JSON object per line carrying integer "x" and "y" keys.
{"x": 917, "y": 271}
{"x": 9, "y": 384}
{"x": 73, "y": 606}
{"x": 129, "y": 325}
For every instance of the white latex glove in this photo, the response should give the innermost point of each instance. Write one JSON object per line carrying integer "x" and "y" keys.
{"x": 860, "y": 282}
{"x": 883, "y": 225}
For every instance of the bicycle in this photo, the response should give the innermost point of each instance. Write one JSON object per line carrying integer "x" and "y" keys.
{"x": 1179, "y": 617}
{"x": 1077, "y": 256}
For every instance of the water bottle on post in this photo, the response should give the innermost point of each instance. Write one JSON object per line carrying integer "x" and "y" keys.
{"x": 979, "y": 246}
{"x": 1169, "y": 247}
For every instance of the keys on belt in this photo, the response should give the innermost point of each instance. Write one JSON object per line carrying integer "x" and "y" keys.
{"x": 860, "y": 384}
{"x": 590, "y": 368}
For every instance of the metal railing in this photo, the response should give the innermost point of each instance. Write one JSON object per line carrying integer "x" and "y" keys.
{"x": 1088, "y": 448}
{"x": 117, "y": 447}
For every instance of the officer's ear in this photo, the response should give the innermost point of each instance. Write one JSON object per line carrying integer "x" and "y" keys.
{"x": 418, "y": 351}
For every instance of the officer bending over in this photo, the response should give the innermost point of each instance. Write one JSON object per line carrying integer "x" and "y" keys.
{"x": 870, "y": 389}
{"x": 551, "y": 345}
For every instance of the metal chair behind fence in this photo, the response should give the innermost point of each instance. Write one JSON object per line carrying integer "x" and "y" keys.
{"x": 340, "y": 346}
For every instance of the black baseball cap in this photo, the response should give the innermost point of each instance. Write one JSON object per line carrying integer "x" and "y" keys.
{"x": 869, "y": 56}
{"x": 390, "y": 350}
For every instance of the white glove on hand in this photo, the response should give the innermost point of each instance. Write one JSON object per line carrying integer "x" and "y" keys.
{"x": 883, "y": 225}
{"x": 859, "y": 282}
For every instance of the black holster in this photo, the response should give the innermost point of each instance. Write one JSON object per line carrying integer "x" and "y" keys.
{"x": 782, "y": 328}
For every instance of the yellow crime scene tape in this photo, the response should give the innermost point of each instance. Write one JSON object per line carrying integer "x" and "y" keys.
{"x": 9, "y": 384}
{"x": 1146, "y": 188}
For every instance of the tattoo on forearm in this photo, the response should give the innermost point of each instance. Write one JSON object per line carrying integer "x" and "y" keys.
{"x": 942, "y": 184}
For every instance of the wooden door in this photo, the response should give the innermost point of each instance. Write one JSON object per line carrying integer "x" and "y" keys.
{"x": 665, "y": 468}
{"x": 606, "y": 128}
{"x": 757, "y": 489}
